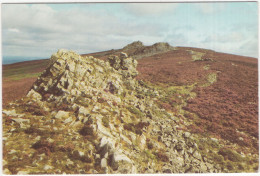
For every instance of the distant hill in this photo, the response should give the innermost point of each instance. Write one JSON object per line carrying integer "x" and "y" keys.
{"x": 16, "y": 59}
{"x": 204, "y": 97}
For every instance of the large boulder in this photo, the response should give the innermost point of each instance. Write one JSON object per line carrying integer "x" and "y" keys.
{"x": 125, "y": 64}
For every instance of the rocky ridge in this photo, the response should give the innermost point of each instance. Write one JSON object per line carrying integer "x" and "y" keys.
{"x": 85, "y": 115}
{"x": 137, "y": 50}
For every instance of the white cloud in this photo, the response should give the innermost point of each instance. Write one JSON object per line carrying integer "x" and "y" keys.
{"x": 210, "y": 8}
{"x": 42, "y": 29}
{"x": 14, "y": 30}
{"x": 236, "y": 42}
{"x": 249, "y": 48}
{"x": 150, "y": 9}
{"x": 231, "y": 37}
{"x": 39, "y": 30}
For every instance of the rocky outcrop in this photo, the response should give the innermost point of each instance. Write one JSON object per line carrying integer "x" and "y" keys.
{"x": 137, "y": 50}
{"x": 85, "y": 115}
{"x": 134, "y": 45}
{"x": 199, "y": 56}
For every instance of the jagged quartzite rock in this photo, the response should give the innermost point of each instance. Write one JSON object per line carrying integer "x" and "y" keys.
{"x": 34, "y": 95}
{"x": 72, "y": 76}
{"x": 62, "y": 115}
{"x": 115, "y": 62}
{"x": 85, "y": 115}
{"x": 122, "y": 163}
{"x": 103, "y": 163}
{"x": 134, "y": 45}
{"x": 137, "y": 50}
{"x": 127, "y": 65}
{"x": 161, "y": 46}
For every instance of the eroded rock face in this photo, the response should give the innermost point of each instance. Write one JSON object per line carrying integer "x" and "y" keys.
{"x": 85, "y": 115}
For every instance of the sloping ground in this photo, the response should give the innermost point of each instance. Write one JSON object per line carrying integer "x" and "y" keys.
{"x": 226, "y": 102}
{"x": 213, "y": 94}
{"x": 84, "y": 115}
{"x": 14, "y": 90}
{"x": 19, "y": 77}
{"x": 24, "y": 68}
{"x": 25, "y": 73}
{"x": 136, "y": 50}
{"x": 231, "y": 104}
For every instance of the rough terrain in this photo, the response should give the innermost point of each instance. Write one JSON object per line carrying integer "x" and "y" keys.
{"x": 86, "y": 115}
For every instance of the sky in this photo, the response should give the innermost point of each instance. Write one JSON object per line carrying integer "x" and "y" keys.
{"x": 39, "y": 30}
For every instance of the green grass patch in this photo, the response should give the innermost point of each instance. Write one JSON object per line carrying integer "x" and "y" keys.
{"x": 231, "y": 155}
{"x": 227, "y": 158}
{"x": 211, "y": 78}
{"x": 135, "y": 111}
{"x": 197, "y": 56}
{"x": 150, "y": 155}
{"x": 25, "y": 69}
{"x": 175, "y": 97}
{"x": 206, "y": 67}
{"x": 25, "y": 75}
{"x": 105, "y": 121}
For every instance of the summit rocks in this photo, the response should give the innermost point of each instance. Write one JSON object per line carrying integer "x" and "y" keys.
{"x": 137, "y": 50}
{"x": 84, "y": 115}
{"x": 134, "y": 45}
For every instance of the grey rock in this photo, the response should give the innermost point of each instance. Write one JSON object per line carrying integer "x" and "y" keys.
{"x": 197, "y": 155}
{"x": 62, "y": 115}
{"x": 97, "y": 156}
{"x": 119, "y": 158}
{"x": 115, "y": 62}
{"x": 167, "y": 171}
{"x": 186, "y": 134}
{"x": 203, "y": 167}
{"x": 179, "y": 146}
{"x": 21, "y": 120}
{"x": 123, "y": 55}
{"x": 103, "y": 163}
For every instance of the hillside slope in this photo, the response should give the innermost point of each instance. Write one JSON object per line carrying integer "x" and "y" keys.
{"x": 226, "y": 102}
{"x": 21, "y": 75}
{"x": 203, "y": 111}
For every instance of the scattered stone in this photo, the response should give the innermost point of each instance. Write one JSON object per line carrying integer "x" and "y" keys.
{"x": 10, "y": 112}
{"x": 20, "y": 120}
{"x": 7, "y": 172}
{"x": 22, "y": 173}
{"x": 47, "y": 167}
{"x": 34, "y": 95}
{"x": 186, "y": 134}
{"x": 62, "y": 115}
{"x": 179, "y": 146}
{"x": 103, "y": 163}
{"x": 69, "y": 162}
